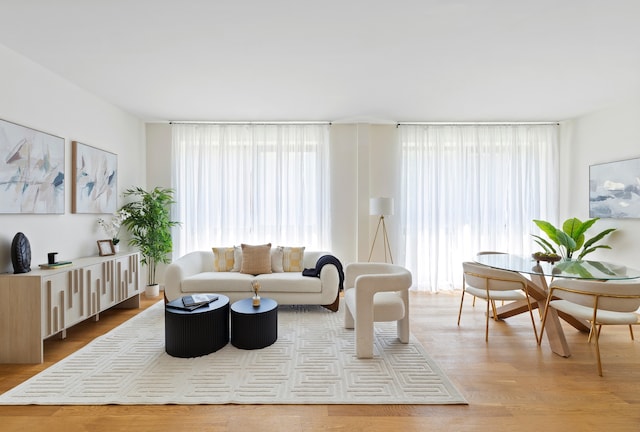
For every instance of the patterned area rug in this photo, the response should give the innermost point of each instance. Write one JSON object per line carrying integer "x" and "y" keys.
{"x": 312, "y": 362}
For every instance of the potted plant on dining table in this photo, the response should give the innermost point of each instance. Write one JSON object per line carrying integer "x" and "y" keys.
{"x": 570, "y": 238}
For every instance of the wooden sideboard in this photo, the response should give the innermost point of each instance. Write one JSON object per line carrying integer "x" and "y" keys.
{"x": 43, "y": 303}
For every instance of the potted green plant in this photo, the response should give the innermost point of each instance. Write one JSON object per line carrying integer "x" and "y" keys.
{"x": 571, "y": 238}
{"x": 149, "y": 223}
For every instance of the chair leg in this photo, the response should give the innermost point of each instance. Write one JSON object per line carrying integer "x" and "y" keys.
{"x": 461, "y": 301}
{"x": 631, "y": 331}
{"x": 533, "y": 321}
{"x": 486, "y": 329}
{"x": 403, "y": 329}
{"x": 597, "y": 334}
{"x": 364, "y": 340}
{"x": 348, "y": 318}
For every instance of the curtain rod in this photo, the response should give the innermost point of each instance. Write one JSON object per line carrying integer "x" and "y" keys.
{"x": 252, "y": 122}
{"x": 502, "y": 123}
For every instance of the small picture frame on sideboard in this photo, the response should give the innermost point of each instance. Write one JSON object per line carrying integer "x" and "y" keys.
{"x": 105, "y": 247}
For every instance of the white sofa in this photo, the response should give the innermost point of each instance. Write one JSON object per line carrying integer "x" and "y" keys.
{"x": 194, "y": 273}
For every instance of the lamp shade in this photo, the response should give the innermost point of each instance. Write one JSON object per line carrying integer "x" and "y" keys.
{"x": 381, "y": 206}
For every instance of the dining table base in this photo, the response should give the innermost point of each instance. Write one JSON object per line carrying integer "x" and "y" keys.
{"x": 538, "y": 289}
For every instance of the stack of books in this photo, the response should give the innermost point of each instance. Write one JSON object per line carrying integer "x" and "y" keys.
{"x": 56, "y": 265}
{"x": 192, "y": 302}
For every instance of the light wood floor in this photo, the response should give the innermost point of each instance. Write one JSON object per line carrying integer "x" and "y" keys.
{"x": 510, "y": 384}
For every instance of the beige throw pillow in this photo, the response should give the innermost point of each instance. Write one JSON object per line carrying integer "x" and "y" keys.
{"x": 292, "y": 259}
{"x": 256, "y": 259}
{"x": 223, "y": 259}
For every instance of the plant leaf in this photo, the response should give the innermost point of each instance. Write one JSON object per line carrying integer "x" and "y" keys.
{"x": 598, "y": 237}
{"x": 546, "y": 246}
{"x": 565, "y": 240}
{"x": 548, "y": 229}
{"x": 588, "y": 251}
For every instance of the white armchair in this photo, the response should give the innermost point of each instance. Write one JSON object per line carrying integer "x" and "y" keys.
{"x": 375, "y": 292}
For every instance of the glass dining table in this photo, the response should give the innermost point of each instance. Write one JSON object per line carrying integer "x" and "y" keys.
{"x": 538, "y": 272}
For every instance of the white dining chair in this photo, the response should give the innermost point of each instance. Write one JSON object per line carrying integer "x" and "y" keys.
{"x": 492, "y": 284}
{"x": 599, "y": 302}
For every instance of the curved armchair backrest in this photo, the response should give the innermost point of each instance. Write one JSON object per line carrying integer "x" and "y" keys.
{"x": 382, "y": 271}
{"x": 483, "y": 277}
{"x": 611, "y": 296}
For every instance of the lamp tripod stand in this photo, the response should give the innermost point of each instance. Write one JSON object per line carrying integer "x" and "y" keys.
{"x": 385, "y": 239}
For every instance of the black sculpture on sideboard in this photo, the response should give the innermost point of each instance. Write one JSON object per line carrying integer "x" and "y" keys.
{"x": 21, "y": 254}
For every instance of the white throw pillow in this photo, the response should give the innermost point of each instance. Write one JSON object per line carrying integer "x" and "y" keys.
{"x": 237, "y": 259}
{"x": 277, "y": 254}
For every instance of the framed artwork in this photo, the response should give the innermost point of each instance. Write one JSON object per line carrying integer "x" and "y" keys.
{"x": 95, "y": 175}
{"x": 31, "y": 170}
{"x": 105, "y": 247}
{"x": 614, "y": 189}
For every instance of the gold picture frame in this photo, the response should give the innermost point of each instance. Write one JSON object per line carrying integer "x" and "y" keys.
{"x": 105, "y": 247}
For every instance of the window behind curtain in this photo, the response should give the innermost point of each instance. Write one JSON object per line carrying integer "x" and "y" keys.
{"x": 251, "y": 184}
{"x": 467, "y": 188}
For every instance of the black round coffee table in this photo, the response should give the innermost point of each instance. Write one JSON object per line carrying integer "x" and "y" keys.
{"x": 254, "y": 327}
{"x": 198, "y": 332}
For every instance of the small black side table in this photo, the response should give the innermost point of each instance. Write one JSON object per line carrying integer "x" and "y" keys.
{"x": 198, "y": 332}
{"x": 254, "y": 327}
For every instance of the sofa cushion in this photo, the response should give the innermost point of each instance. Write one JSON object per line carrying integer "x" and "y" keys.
{"x": 223, "y": 259}
{"x": 288, "y": 282}
{"x": 256, "y": 259}
{"x": 214, "y": 282}
{"x": 292, "y": 259}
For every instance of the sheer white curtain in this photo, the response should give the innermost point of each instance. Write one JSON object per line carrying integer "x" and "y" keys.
{"x": 251, "y": 184}
{"x": 467, "y": 188}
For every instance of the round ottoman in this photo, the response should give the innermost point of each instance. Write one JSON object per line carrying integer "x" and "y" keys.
{"x": 198, "y": 332}
{"x": 254, "y": 327}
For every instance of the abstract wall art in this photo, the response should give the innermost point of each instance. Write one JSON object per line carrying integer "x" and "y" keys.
{"x": 614, "y": 189}
{"x": 31, "y": 170}
{"x": 95, "y": 175}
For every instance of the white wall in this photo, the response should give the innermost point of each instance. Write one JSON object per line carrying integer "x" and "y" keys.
{"x": 35, "y": 97}
{"x": 365, "y": 162}
{"x": 604, "y": 136}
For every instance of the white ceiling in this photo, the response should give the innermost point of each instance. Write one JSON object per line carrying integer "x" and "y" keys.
{"x": 342, "y": 61}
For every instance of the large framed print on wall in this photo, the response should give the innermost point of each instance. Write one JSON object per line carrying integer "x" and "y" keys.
{"x": 614, "y": 189}
{"x": 31, "y": 170}
{"x": 95, "y": 180}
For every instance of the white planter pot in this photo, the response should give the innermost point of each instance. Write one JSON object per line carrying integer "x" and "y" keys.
{"x": 152, "y": 291}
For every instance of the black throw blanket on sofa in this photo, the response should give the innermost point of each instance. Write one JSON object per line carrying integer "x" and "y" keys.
{"x": 322, "y": 261}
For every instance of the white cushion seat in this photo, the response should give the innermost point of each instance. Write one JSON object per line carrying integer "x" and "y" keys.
{"x": 387, "y": 306}
{"x": 495, "y": 295}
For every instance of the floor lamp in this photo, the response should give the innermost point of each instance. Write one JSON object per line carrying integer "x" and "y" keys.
{"x": 381, "y": 207}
